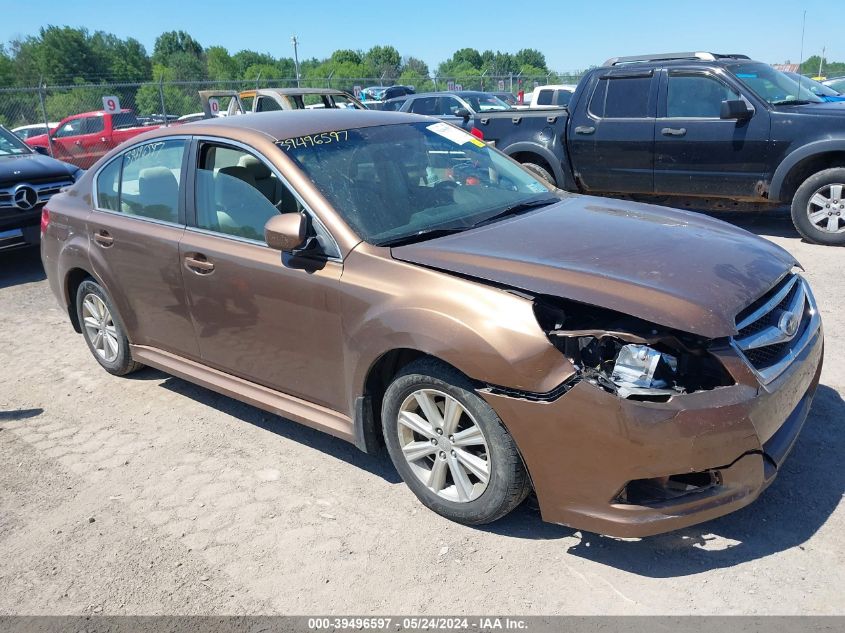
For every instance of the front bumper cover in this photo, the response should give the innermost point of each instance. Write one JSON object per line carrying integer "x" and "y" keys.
{"x": 583, "y": 447}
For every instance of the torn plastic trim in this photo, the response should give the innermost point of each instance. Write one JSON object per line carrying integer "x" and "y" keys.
{"x": 532, "y": 396}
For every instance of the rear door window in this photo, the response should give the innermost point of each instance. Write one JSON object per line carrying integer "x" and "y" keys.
{"x": 622, "y": 98}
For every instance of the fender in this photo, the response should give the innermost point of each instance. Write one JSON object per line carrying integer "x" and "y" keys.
{"x": 561, "y": 169}
{"x": 791, "y": 160}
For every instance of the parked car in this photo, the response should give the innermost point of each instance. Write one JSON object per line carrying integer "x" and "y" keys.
{"x": 383, "y": 93}
{"x": 26, "y": 131}
{"x": 507, "y": 97}
{"x": 274, "y": 99}
{"x": 390, "y": 279}
{"x": 27, "y": 181}
{"x": 455, "y": 107}
{"x": 668, "y": 126}
{"x": 837, "y": 83}
{"x": 83, "y": 138}
{"x": 552, "y": 96}
{"x": 825, "y": 93}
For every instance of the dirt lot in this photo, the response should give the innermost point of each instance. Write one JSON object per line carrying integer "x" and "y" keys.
{"x": 148, "y": 495}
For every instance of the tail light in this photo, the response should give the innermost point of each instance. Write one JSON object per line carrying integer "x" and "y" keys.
{"x": 45, "y": 219}
{"x": 477, "y": 133}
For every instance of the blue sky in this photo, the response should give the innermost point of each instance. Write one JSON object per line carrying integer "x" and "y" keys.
{"x": 572, "y": 35}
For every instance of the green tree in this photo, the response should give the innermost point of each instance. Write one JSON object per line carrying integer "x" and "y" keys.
{"x": 120, "y": 60}
{"x": 531, "y": 58}
{"x": 383, "y": 60}
{"x": 72, "y": 101}
{"x": 64, "y": 54}
{"x": 346, "y": 56}
{"x": 7, "y": 68}
{"x": 415, "y": 66}
{"x": 246, "y": 58}
{"x": 172, "y": 43}
{"x": 220, "y": 65}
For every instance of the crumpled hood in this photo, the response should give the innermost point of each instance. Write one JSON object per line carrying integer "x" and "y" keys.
{"x": 679, "y": 269}
{"x": 23, "y": 167}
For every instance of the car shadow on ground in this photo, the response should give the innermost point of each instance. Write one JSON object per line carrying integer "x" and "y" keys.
{"x": 806, "y": 492}
{"x": 770, "y": 223}
{"x": 20, "y": 266}
{"x": 339, "y": 449}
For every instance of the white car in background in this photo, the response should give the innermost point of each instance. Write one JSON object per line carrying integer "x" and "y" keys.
{"x": 36, "y": 129}
{"x": 550, "y": 96}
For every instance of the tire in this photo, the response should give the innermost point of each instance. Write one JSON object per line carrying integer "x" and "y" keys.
{"x": 111, "y": 349}
{"x": 816, "y": 222}
{"x": 507, "y": 482}
{"x": 541, "y": 172}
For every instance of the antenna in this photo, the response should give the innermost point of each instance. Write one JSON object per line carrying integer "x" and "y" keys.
{"x": 801, "y": 58}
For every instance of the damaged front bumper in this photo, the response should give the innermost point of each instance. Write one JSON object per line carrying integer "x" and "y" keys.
{"x": 630, "y": 468}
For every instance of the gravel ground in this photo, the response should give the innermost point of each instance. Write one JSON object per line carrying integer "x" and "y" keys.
{"x": 148, "y": 495}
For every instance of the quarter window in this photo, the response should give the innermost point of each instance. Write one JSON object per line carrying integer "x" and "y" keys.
{"x": 108, "y": 186}
{"x": 696, "y": 96}
{"x": 236, "y": 193}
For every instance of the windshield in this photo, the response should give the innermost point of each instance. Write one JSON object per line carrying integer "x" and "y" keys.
{"x": 813, "y": 86}
{"x": 773, "y": 85}
{"x": 11, "y": 144}
{"x": 394, "y": 182}
{"x": 485, "y": 103}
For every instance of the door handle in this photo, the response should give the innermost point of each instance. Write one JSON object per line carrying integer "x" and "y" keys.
{"x": 585, "y": 129}
{"x": 77, "y": 142}
{"x": 103, "y": 139}
{"x": 673, "y": 131}
{"x": 103, "y": 238}
{"x": 199, "y": 264}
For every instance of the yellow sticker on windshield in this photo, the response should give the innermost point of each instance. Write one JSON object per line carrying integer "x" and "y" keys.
{"x": 478, "y": 142}
{"x": 456, "y": 135}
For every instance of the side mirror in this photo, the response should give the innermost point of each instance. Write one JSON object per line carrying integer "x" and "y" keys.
{"x": 462, "y": 112}
{"x": 285, "y": 232}
{"x": 735, "y": 109}
{"x": 40, "y": 149}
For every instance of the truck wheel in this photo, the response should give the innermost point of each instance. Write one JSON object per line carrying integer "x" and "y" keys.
{"x": 818, "y": 208}
{"x": 540, "y": 172}
{"x": 449, "y": 445}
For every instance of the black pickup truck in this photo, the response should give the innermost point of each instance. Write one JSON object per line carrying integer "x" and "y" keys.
{"x": 699, "y": 126}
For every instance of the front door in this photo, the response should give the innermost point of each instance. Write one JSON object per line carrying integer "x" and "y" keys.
{"x": 255, "y": 317}
{"x": 611, "y": 138}
{"x": 135, "y": 230}
{"x": 81, "y": 141}
{"x": 697, "y": 153}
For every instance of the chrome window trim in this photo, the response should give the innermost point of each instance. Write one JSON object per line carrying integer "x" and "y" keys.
{"x": 767, "y": 375}
{"x": 251, "y": 150}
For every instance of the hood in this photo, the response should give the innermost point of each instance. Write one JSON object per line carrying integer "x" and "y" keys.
{"x": 678, "y": 269}
{"x": 23, "y": 167}
{"x": 825, "y": 108}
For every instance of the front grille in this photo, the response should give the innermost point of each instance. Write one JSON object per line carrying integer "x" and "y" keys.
{"x": 774, "y": 329}
{"x": 44, "y": 190}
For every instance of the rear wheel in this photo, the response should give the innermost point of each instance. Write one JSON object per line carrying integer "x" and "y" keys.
{"x": 818, "y": 208}
{"x": 102, "y": 329}
{"x": 541, "y": 172}
{"x": 450, "y": 447}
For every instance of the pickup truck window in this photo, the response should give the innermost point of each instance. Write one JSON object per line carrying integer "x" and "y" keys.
{"x": 696, "y": 95}
{"x": 545, "y": 97}
{"x": 71, "y": 128}
{"x": 123, "y": 120}
{"x": 425, "y": 105}
{"x": 93, "y": 125}
{"x": 621, "y": 98}
{"x": 563, "y": 97}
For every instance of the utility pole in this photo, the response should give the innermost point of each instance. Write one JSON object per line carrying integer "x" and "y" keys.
{"x": 821, "y": 61}
{"x": 295, "y": 43}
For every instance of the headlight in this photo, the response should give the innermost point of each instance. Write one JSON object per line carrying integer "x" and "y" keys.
{"x": 629, "y": 357}
{"x": 640, "y": 369}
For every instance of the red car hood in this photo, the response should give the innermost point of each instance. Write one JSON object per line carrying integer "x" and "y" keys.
{"x": 679, "y": 269}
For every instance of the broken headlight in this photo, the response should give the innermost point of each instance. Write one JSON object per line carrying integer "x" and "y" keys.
{"x": 630, "y": 357}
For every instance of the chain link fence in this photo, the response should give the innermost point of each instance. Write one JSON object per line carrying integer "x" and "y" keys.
{"x": 156, "y": 102}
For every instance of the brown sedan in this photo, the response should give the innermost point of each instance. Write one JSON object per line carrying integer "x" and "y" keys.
{"x": 389, "y": 279}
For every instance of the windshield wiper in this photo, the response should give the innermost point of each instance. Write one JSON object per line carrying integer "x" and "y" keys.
{"x": 519, "y": 207}
{"x": 794, "y": 102}
{"x": 419, "y": 236}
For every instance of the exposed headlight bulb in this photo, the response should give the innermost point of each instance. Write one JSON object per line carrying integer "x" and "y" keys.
{"x": 642, "y": 370}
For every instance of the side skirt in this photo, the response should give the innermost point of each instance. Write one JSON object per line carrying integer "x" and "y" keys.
{"x": 276, "y": 402}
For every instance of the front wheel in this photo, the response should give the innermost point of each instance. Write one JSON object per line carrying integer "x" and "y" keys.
{"x": 450, "y": 447}
{"x": 818, "y": 208}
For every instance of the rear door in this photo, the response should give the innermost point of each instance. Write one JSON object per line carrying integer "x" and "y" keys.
{"x": 611, "y": 135}
{"x": 135, "y": 228}
{"x": 697, "y": 153}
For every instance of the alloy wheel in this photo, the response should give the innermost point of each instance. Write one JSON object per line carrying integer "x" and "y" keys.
{"x": 99, "y": 327}
{"x": 444, "y": 446}
{"x": 826, "y": 209}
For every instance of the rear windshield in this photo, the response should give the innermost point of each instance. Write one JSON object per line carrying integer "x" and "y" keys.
{"x": 124, "y": 119}
{"x": 392, "y": 182}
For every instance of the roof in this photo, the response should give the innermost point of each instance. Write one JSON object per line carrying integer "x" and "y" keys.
{"x": 290, "y": 123}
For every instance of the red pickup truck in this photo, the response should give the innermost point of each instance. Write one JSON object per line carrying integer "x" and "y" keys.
{"x": 81, "y": 139}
